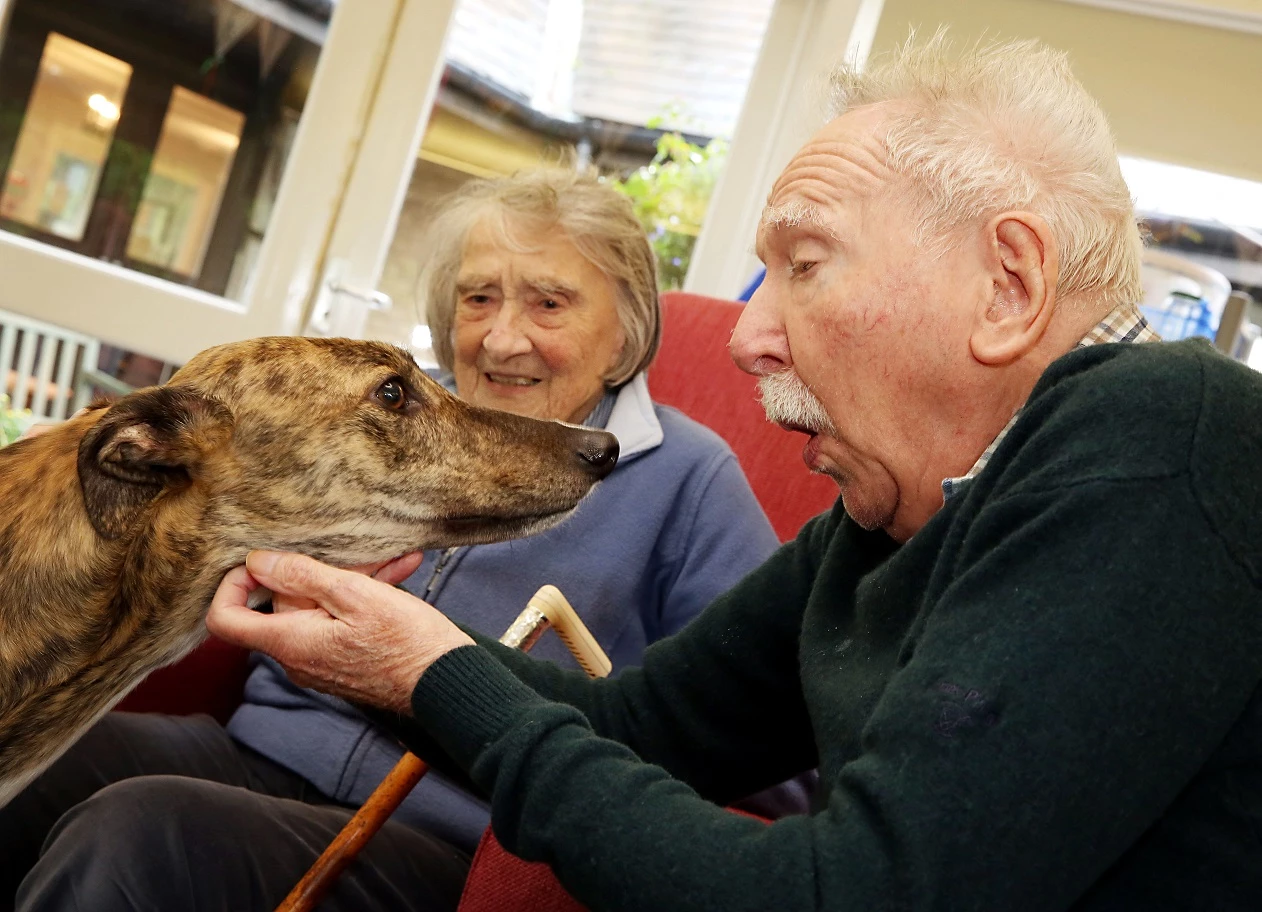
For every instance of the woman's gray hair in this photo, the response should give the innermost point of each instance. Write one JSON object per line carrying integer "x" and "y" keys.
{"x": 597, "y": 219}
{"x": 1006, "y": 126}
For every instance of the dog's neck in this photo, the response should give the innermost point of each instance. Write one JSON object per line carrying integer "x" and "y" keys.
{"x": 80, "y": 629}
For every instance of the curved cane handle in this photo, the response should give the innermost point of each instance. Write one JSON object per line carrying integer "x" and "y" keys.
{"x": 548, "y": 608}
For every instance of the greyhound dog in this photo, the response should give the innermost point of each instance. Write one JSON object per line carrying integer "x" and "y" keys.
{"x": 117, "y": 526}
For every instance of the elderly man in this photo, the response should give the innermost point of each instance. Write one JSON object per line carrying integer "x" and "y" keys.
{"x": 1024, "y": 649}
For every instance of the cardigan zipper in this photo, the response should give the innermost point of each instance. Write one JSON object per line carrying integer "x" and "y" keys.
{"x": 439, "y": 564}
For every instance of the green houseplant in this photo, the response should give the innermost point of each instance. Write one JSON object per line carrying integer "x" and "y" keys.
{"x": 670, "y": 195}
{"x": 12, "y": 423}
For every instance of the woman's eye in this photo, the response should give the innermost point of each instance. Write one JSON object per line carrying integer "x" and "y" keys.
{"x": 392, "y": 395}
{"x": 550, "y": 304}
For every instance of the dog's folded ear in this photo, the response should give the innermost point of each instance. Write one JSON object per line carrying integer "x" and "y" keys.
{"x": 147, "y": 442}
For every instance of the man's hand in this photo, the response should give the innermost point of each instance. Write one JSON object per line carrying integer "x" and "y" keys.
{"x": 338, "y": 631}
{"x": 391, "y": 572}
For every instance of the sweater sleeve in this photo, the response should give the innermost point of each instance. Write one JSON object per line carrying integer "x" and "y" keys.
{"x": 1053, "y": 704}
{"x": 718, "y": 704}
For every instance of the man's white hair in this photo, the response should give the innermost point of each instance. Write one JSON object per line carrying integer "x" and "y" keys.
{"x": 795, "y": 213}
{"x": 1006, "y": 126}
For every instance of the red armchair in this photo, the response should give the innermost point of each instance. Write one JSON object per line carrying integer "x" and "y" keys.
{"x": 692, "y": 373}
{"x": 211, "y": 679}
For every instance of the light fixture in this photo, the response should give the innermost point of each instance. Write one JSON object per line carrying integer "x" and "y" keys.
{"x": 104, "y": 109}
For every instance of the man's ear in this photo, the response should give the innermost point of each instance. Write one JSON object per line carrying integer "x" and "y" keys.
{"x": 147, "y": 442}
{"x": 1024, "y": 269}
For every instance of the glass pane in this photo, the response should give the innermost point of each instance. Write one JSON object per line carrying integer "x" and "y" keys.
{"x": 65, "y": 136}
{"x": 186, "y": 183}
{"x": 153, "y": 134}
{"x": 645, "y": 91}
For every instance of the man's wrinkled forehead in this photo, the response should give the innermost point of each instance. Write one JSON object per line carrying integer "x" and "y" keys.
{"x": 840, "y": 168}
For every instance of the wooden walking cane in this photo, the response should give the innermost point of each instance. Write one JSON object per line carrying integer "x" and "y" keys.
{"x": 547, "y": 609}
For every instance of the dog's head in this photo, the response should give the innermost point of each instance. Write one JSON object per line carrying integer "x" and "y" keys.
{"x": 341, "y": 449}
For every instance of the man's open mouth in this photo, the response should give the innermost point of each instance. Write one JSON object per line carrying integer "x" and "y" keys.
{"x": 797, "y": 428}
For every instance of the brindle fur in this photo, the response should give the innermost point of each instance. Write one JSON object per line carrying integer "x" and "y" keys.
{"x": 117, "y": 526}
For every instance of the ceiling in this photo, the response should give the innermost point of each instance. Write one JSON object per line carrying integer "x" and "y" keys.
{"x": 1232, "y": 15}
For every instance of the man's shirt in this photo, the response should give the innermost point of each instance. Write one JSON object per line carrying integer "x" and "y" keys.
{"x": 1123, "y": 324}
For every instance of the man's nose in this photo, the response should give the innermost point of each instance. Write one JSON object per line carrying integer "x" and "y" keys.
{"x": 508, "y": 336}
{"x": 759, "y": 344}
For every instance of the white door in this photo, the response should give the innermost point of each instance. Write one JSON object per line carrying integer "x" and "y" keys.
{"x": 294, "y": 219}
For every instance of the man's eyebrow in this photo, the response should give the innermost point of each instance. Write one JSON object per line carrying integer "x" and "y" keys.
{"x": 791, "y": 215}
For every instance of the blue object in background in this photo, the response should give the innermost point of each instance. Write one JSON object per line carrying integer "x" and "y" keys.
{"x": 1182, "y": 317}
{"x": 752, "y": 286}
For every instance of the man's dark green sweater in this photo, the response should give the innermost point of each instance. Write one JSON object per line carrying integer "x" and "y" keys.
{"x": 1047, "y": 699}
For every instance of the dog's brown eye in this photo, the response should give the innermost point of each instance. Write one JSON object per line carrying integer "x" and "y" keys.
{"x": 392, "y": 395}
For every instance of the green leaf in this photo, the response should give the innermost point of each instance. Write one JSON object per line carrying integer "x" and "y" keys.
{"x": 670, "y": 196}
{"x": 12, "y": 423}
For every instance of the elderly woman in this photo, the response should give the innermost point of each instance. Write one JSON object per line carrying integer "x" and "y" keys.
{"x": 542, "y": 301}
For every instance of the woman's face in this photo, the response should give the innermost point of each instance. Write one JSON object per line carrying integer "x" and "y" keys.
{"x": 534, "y": 333}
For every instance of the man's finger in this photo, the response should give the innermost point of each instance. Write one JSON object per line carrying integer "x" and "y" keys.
{"x": 231, "y": 620}
{"x": 283, "y": 603}
{"x": 228, "y": 617}
{"x": 267, "y": 633}
{"x": 305, "y": 577}
{"x": 236, "y": 587}
{"x": 399, "y": 569}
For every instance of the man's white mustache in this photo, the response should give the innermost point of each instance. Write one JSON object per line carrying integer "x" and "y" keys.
{"x": 786, "y": 400}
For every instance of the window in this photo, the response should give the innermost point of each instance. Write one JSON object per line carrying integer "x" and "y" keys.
{"x": 1207, "y": 231}
{"x": 601, "y": 83}
{"x": 152, "y": 134}
{"x": 66, "y": 132}
{"x": 185, "y": 185}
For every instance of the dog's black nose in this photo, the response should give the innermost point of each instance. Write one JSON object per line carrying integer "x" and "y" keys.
{"x": 599, "y": 452}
